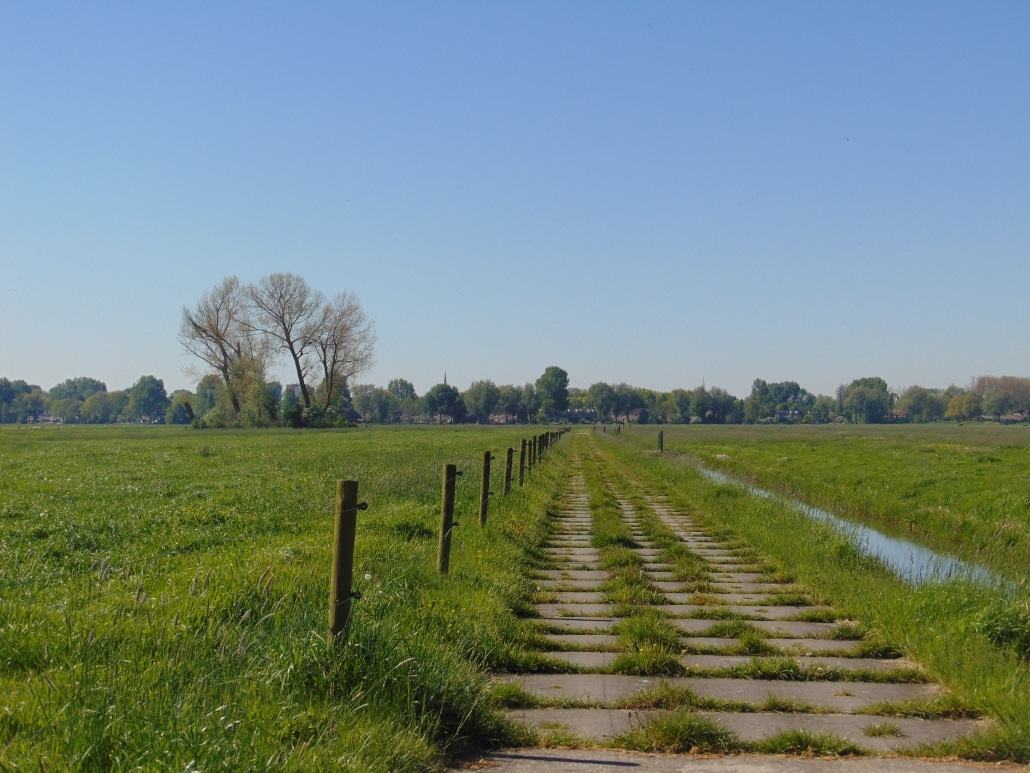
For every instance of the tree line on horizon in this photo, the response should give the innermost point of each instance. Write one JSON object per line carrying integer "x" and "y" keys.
{"x": 239, "y": 331}
{"x": 549, "y": 398}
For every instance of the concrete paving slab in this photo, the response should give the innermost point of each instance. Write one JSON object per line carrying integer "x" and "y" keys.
{"x": 735, "y": 567}
{"x": 610, "y": 761}
{"x": 578, "y": 623}
{"x": 586, "y": 660}
{"x": 574, "y": 610}
{"x": 604, "y": 688}
{"x": 794, "y": 628}
{"x": 818, "y": 663}
{"x": 579, "y": 597}
{"x": 703, "y": 643}
{"x": 783, "y": 628}
{"x": 771, "y": 588}
{"x": 750, "y": 611}
{"x": 670, "y": 586}
{"x": 723, "y": 575}
{"x": 570, "y": 584}
{"x": 913, "y": 732}
{"x": 782, "y": 646}
{"x": 571, "y": 552}
{"x": 605, "y": 724}
{"x": 694, "y": 625}
{"x": 724, "y": 598}
{"x": 584, "y": 641}
{"x": 813, "y": 646}
{"x": 572, "y": 574}
{"x": 662, "y": 576}
{"x": 844, "y": 697}
{"x": 588, "y": 724}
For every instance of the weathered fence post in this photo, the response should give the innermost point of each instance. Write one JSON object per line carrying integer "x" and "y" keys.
{"x": 507, "y": 470}
{"x": 447, "y": 522}
{"x": 341, "y": 596}
{"x": 522, "y": 462}
{"x": 532, "y": 453}
{"x": 661, "y": 441}
{"x": 484, "y": 489}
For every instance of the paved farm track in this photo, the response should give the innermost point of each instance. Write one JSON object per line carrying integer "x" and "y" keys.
{"x": 706, "y": 632}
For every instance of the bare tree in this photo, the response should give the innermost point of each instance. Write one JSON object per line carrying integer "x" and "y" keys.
{"x": 218, "y": 331}
{"x": 236, "y": 329}
{"x": 343, "y": 341}
{"x": 286, "y": 311}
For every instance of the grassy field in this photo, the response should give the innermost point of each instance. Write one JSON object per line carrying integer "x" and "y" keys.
{"x": 971, "y": 638}
{"x": 963, "y": 490}
{"x": 164, "y": 596}
{"x": 164, "y": 592}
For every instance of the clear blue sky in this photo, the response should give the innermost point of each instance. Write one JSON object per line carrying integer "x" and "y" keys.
{"x": 656, "y": 193}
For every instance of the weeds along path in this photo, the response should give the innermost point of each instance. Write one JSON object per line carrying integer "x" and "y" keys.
{"x": 657, "y": 635}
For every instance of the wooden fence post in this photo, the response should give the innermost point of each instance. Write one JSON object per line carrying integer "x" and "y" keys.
{"x": 507, "y": 470}
{"x": 447, "y": 522}
{"x": 484, "y": 489}
{"x": 522, "y": 462}
{"x": 341, "y": 583}
{"x": 661, "y": 441}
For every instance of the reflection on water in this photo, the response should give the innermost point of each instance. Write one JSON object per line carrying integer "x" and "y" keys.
{"x": 910, "y": 561}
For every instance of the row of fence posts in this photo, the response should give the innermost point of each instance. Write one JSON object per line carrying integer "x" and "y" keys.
{"x": 341, "y": 589}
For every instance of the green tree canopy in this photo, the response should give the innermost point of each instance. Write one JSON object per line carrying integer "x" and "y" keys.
{"x": 180, "y": 408}
{"x": 964, "y": 407}
{"x": 444, "y": 400}
{"x": 509, "y": 401}
{"x": 552, "y": 389}
{"x": 480, "y": 400}
{"x": 148, "y": 399}
{"x": 374, "y": 403}
{"x": 601, "y": 397}
{"x": 402, "y": 389}
{"x": 866, "y": 400}
{"x": 77, "y": 388}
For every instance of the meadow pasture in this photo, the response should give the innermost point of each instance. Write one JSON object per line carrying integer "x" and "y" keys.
{"x": 974, "y": 638}
{"x": 164, "y": 592}
{"x": 962, "y": 489}
{"x": 164, "y": 596}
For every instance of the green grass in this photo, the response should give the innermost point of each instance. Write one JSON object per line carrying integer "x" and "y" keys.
{"x": 969, "y": 637}
{"x": 959, "y": 489}
{"x": 164, "y": 594}
{"x": 163, "y": 601}
{"x": 680, "y": 732}
{"x": 807, "y": 743}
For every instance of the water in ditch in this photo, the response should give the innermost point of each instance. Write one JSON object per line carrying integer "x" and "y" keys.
{"x": 912, "y": 562}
